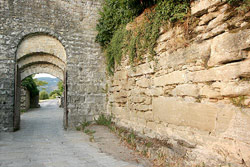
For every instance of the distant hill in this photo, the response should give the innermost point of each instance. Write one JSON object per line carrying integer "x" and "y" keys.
{"x": 52, "y": 83}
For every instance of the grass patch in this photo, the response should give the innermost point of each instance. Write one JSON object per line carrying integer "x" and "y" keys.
{"x": 83, "y": 125}
{"x": 89, "y": 132}
{"x": 104, "y": 120}
{"x": 239, "y": 101}
{"x": 23, "y": 111}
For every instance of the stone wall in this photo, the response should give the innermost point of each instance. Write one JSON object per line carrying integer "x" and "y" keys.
{"x": 25, "y": 99}
{"x": 73, "y": 24}
{"x": 196, "y": 94}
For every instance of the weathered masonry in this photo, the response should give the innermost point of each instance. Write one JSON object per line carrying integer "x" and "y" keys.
{"x": 196, "y": 95}
{"x": 55, "y": 37}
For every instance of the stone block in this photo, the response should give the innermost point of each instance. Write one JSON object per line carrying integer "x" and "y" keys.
{"x": 233, "y": 89}
{"x": 223, "y": 73}
{"x": 143, "y": 107}
{"x": 184, "y": 56}
{"x": 208, "y": 17}
{"x": 195, "y": 115}
{"x": 239, "y": 126}
{"x": 143, "y": 82}
{"x": 166, "y": 36}
{"x": 224, "y": 118}
{"x": 120, "y": 112}
{"x": 228, "y": 47}
{"x": 119, "y": 75}
{"x": 245, "y": 152}
{"x": 142, "y": 69}
{"x": 154, "y": 91}
{"x": 176, "y": 77}
{"x": 186, "y": 90}
{"x": 137, "y": 99}
{"x": 202, "y": 5}
{"x": 121, "y": 94}
{"x": 209, "y": 91}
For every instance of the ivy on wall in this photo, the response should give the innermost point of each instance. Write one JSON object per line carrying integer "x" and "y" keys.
{"x": 30, "y": 84}
{"x": 117, "y": 40}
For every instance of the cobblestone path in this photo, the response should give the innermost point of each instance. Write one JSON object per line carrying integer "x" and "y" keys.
{"x": 42, "y": 142}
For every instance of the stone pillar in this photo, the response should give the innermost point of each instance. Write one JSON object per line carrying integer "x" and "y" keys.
{"x": 25, "y": 99}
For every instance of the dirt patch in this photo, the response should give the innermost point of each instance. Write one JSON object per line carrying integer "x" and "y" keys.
{"x": 101, "y": 137}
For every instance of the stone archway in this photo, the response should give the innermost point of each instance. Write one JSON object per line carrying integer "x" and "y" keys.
{"x": 39, "y": 53}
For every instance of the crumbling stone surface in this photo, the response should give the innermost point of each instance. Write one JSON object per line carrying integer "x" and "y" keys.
{"x": 196, "y": 93}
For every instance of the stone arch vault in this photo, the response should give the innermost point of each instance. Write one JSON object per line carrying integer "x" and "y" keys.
{"x": 51, "y": 36}
{"x": 39, "y": 54}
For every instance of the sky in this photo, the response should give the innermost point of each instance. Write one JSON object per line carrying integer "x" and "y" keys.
{"x": 43, "y": 75}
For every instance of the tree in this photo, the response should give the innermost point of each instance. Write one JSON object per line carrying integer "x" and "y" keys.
{"x": 40, "y": 83}
{"x": 55, "y": 93}
{"x": 43, "y": 95}
{"x": 60, "y": 86}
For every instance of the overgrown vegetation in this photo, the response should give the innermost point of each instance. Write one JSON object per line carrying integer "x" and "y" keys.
{"x": 83, "y": 125}
{"x": 30, "y": 84}
{"x": 104, "y": 120}
{"x": 116, "y": 40}
{"x": 140, "y": 37}
{"x": 235, "y": 2}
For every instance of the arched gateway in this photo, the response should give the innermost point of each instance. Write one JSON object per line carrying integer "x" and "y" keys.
{"x": 38, "y": 53}
{"x": 55, "y": 37}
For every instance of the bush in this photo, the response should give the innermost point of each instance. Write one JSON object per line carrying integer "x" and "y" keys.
{"x": 43, "y": 95}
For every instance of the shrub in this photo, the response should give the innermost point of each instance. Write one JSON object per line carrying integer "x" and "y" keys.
{"x": 43, "y": 95}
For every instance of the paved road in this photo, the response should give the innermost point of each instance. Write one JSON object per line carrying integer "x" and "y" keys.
{"x": 42, "y": 142}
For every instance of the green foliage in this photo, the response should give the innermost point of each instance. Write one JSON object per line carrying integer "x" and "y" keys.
{"x": 43, "y": 95}
{"x": 55, "y": 93}
{"x": 30, "y": 84}
{"x": 172, "y": 10}
{"x": 40, "y": 83}
{"x": 89, "y": 132}
{"x": 84, "y": 124}
{"x": 58, "y": 91}
{"x": 131, "y": 139}
{"x": 117, "y": 41}
{"x": 234, "y": 2}
{"x": 114, "y": 51}
{"x": 116, "y": 13}
{"x": 23, "y": 111}
{"x": 60, "y": 86}
{"x": 104, "y": 120}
